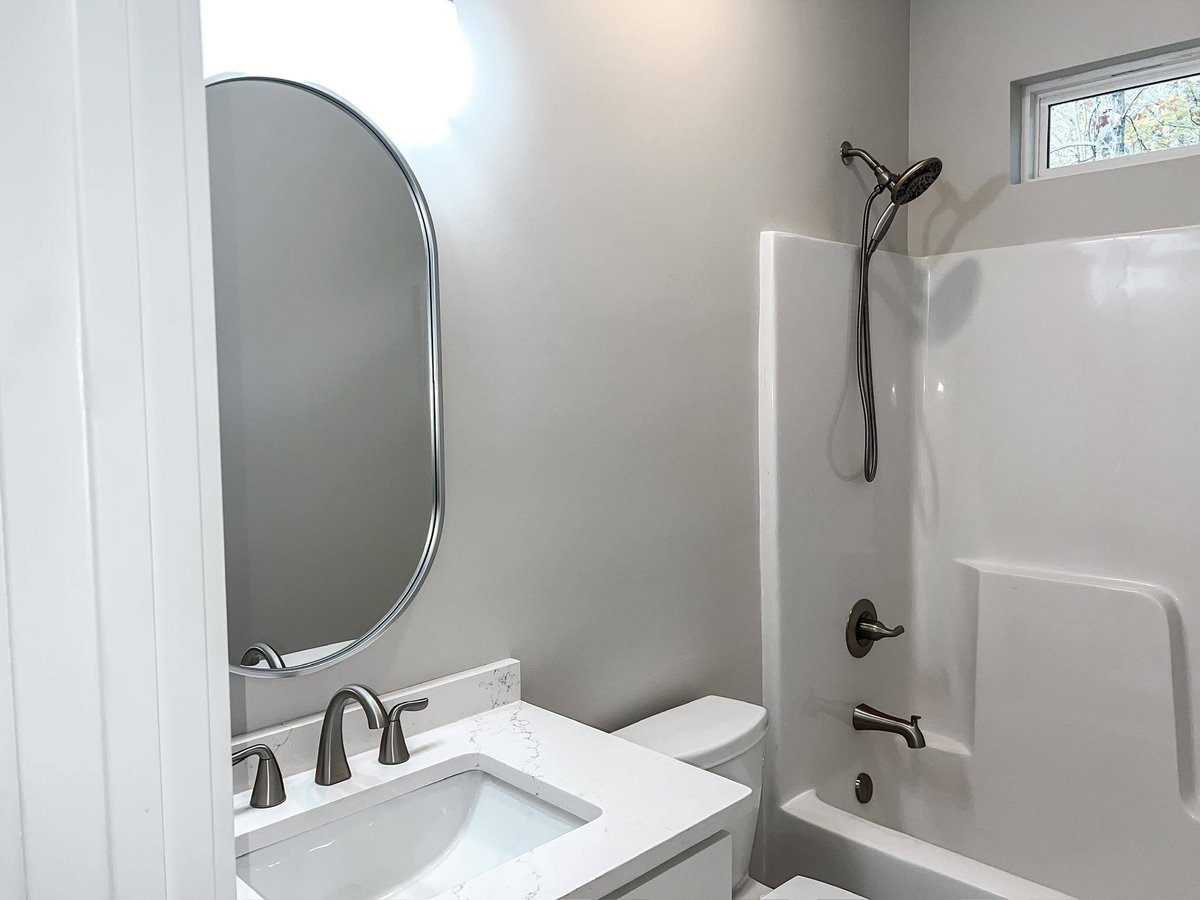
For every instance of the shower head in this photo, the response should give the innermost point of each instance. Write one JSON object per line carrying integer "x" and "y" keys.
{"x": 916, "y": 180}
{"x": 904, "y": 188}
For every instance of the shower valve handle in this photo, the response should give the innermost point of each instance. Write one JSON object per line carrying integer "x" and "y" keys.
{"x": 863, "y": 629}
{"x": 870, "y": 630}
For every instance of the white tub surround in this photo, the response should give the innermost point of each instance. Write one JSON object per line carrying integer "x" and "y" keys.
{"x": 636, "y": 809}
{"x": 1038, "y": 432}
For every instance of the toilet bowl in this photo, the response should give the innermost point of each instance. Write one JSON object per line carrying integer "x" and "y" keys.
{"x": 725, "y": 737}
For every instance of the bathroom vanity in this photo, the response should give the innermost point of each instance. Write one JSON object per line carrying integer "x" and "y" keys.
{"x": 500, "y": 799}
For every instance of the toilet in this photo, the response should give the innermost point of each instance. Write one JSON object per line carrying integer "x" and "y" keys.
{"x": 725, "y": 737}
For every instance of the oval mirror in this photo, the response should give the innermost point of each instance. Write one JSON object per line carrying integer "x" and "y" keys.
{"x": 327, "y": 357}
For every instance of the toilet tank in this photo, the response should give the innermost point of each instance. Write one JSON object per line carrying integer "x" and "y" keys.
{"x": 723, "y": 736}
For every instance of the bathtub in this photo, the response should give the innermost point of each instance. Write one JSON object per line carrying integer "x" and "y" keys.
{"x": 812, "y": 838}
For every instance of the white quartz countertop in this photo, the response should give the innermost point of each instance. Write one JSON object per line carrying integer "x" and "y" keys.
{"x": 642, "y": 808}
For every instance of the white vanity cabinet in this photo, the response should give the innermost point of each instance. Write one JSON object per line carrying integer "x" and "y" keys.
{"x": 701, "y": 873}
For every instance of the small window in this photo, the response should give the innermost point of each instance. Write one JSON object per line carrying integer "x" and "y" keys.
{"x": 1112, "y": 115}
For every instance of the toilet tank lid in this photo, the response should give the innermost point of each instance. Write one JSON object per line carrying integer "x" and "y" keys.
{"x": 705, "y": 732}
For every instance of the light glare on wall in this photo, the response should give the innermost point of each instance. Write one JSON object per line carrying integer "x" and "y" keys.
{"x": 404, "y": 63}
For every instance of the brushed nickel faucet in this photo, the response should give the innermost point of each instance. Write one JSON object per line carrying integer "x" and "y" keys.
{"x": 268, "y": 780}
{"x": 866, "y": 718}
{"x": 392, "y": 748}
{"x": 332, "y": 766}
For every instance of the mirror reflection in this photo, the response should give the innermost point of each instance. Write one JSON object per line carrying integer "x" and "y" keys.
{"x": 325, "y": 280}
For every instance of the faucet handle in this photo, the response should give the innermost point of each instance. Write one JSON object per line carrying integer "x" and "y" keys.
{"x": 863, "y": 629}
{"x": 869, "y": 630}
{"x": 392, "y": 748}
{"x": 268, "y": 781}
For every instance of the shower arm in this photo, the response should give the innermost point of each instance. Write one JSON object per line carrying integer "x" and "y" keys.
{"x": 882, "y": 174}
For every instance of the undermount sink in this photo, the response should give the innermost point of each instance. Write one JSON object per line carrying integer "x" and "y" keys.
{"x": 415, "y": 846}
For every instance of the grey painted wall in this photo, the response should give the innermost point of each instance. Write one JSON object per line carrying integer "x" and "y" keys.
{"x": 598, "y": 206}
{"x": 964, "y": 58}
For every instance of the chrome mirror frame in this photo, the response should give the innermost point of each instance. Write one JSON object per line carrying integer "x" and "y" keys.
{"x": 437, "y": 514}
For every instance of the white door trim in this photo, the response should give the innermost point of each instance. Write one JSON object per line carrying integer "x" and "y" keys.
{"x": 112, "y": 615}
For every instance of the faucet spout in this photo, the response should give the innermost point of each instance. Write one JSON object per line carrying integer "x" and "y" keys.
{"x": 866, "y": 718}
{"x": 332, "y": 766}
{"x": 261, "y": 651}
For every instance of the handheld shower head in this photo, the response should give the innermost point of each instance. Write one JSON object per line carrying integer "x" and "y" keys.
{"x": 881, "y": 227}
{"x": 904, "y": 188}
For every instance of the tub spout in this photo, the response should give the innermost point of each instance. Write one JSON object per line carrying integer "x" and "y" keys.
{"x": 866, "y": 718}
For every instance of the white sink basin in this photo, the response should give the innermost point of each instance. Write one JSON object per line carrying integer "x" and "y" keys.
{"x": 415, "y": 846}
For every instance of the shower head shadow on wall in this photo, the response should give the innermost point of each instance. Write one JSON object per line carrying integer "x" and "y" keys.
{"x": 903, "y": 188}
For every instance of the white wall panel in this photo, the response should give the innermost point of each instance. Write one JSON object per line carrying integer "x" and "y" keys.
{"x": 114, "y": 635}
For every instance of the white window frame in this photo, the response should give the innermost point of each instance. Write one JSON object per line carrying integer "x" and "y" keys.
{"x": 1039, "y": 96}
